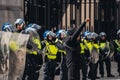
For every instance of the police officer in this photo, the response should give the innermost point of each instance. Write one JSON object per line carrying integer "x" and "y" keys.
{"x": 83, "y": 58}
{"x": 93, "y": 64}
{"x": 104, "y": 49}
{"x": 19, "y": 24}
{"x": 33, "y": 56}
{"x": 50, "y": 54}
{"x": 61, "y": 57}
{"x": 116, "y": 44}
{"x": 72, "y": 48}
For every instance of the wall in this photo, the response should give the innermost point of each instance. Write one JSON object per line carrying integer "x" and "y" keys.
{"x": 10, "y": 10}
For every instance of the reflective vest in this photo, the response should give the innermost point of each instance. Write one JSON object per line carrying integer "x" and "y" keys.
{"x": 63, "y": 51}
{"x": 51, "y": 50}
{"x": 96, "y": 46}
{"x": 37, "y": 42}
{"x": 82, "y": 46}
{"x": 118, "y": 48}
{"x": 103, "y": 45}
{"x": 88, "y": 45}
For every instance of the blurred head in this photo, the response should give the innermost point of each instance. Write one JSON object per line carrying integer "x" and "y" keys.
{"x": 61, "y": 34}
{"x": 7, "y": 27}
{"x": 88, "y": 36}
{"x": 44, "y": 35}
{"x": 50, "y": 35}
{"x": 102, "y": 35}
{"x": 85, "y": 33}
{"x": 94, "y": 35}
{"x": 34, "y": 26}
{"x": 31, "y": 32}
{"x": 19, "y": 24}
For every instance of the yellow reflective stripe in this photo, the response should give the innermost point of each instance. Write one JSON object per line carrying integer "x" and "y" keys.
{"x": 62, "y": 51}
{"x": 116, "y": 41}
{"x": 89, "y": 45}
{"x": 118, "y": 48}
{"x": 37, "y": 41}
{"x": 31, "y": 52}
{"x": 96, "y": 46}
{"x": 82, "y": 48}
{"x": 102, "y": 45}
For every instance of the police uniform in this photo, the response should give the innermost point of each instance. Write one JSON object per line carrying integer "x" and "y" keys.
{"x": 61, "y": 57}
{"x": 84, "y": 57}
{"x": 50, "y": 52}
{"x": 92, "y": 74}
{"x": 107, "y": 60}
{"x": 33, "y": 60}
{"x": 117, "y": 54}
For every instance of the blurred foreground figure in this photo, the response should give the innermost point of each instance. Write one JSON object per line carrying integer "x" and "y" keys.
{"x": 17, "y": 52}
{"x": 72, "y": 48}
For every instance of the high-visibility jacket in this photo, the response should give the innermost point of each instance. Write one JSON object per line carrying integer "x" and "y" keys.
{"x": 96, "y": 45}
{"x": 88, "y": 45}
{"x": 37, "y": 42}
{"x": 82, "y": 46}
{"x": 118, "y": 45}
{"x": 50, "y": 50}
{"x": 102, "y": 45}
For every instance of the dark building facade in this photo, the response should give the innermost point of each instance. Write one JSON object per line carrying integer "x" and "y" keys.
{"x": 57, "y": 14}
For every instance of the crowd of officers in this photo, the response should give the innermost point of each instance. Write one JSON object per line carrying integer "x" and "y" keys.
{"x": 67, "y": 52}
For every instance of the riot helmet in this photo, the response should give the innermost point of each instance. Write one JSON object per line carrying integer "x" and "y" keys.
{"x": 34, "y": 26}
{"x": 61, "y": 34}
{"x": 44, "y": 35}
{"x": 7, "y": 27}
{"x": 19, "y": 22}
{"x": 94, "y": 36}
{"x": 51, "y": 36}
{"x": 102, "y": 35}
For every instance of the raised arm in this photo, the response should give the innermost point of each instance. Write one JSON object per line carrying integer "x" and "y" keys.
{"x": 79, "y": 30}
